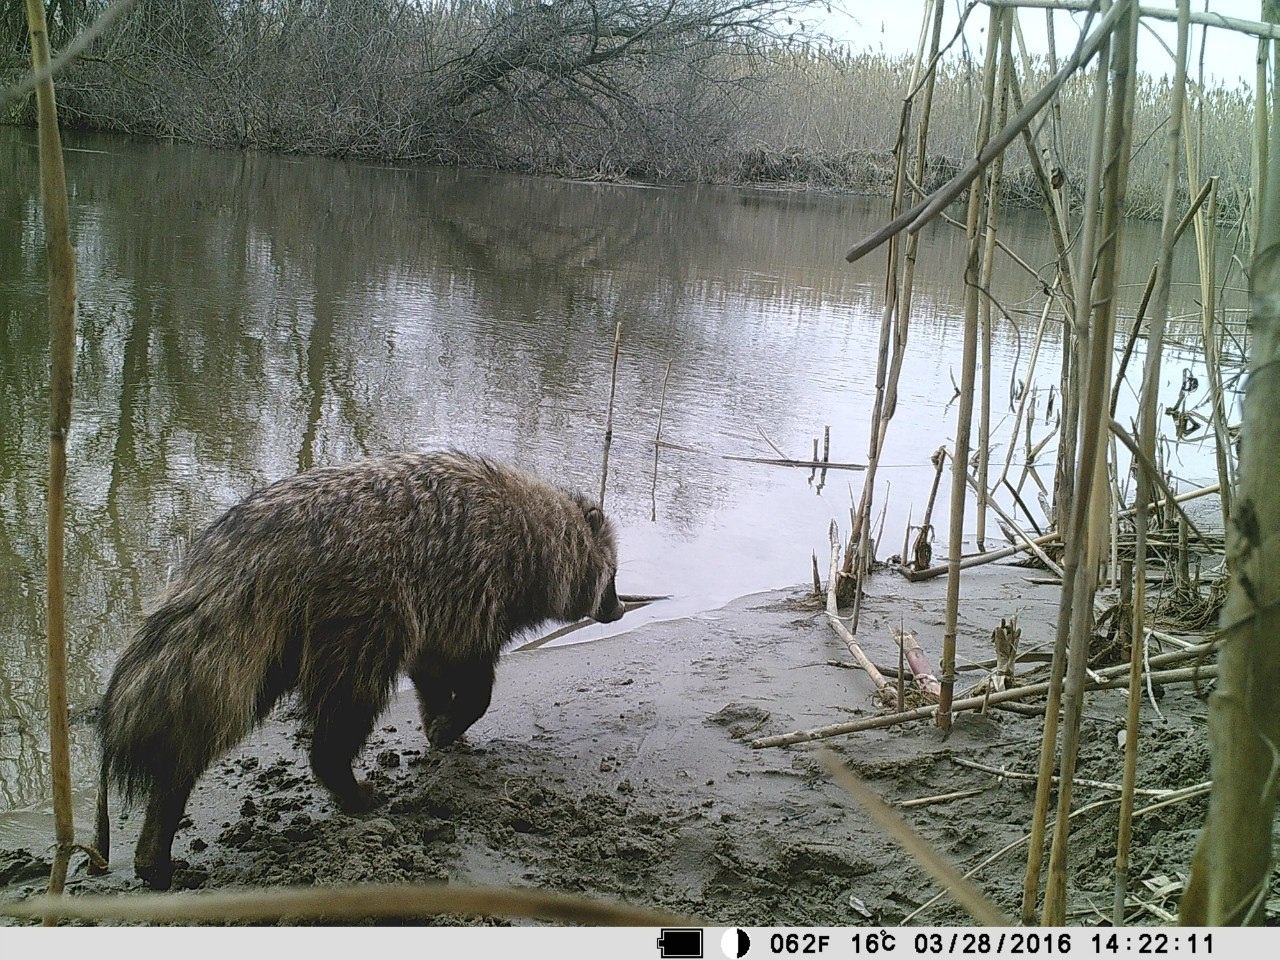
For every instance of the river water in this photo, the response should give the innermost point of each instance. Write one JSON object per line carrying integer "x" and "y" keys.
{"x": 242, "y": 316}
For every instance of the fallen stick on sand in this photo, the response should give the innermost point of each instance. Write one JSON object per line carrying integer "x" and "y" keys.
{"x": 394, "y": 901}
{"x": 1180, "y": 675}
{"x": 939, "y": 798}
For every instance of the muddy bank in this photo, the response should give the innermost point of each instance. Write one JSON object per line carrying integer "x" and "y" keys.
{"x": 622, "y": 769}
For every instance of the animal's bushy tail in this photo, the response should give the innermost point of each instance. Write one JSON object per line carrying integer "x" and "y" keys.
{"x": 180, "y": 695}
{"x": 102, "y": 829}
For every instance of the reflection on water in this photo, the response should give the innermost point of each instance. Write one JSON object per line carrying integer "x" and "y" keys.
{"x": 245, "y": 316}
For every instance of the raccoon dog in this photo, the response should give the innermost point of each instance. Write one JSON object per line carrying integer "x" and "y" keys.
{"x": 333, "y": 582}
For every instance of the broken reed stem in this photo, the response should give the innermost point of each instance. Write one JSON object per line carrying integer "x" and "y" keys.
{"x": 939, "y": 798}
{"x": 833, "y": 614}
{"x": 1144, "y": 464}
{"x": 1095, "y": 784}
{"x": 1206, "y": 240}
{"x": 1144, "y": 454}
{"x": 62, "y": 322}
{"x": 1026, "y": 393}
{"x": 608, "y": 423}
{"x": 1140, "y": 315}
{"x": 1027, "y": 541}
{"x": 973, "y": 284}
{"x": 978, "y": 560}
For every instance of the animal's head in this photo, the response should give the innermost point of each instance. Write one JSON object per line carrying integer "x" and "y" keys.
{"x": 598, "y": 596}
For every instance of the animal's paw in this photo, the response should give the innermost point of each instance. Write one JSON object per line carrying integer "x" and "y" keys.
{"x": 441, "y": 732}
{"x": 157, "y": 873}
{"x": 362, "y": 798}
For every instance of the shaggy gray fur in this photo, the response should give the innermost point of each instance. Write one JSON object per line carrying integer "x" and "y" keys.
{"x": 334, "y": 582}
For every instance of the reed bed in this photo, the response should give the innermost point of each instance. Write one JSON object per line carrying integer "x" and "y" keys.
{"x": 1137, "y": 147}
{"x": 806, "y": 126}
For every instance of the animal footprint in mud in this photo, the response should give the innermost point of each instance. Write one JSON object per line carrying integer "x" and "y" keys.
{"x": 741, "y": 720}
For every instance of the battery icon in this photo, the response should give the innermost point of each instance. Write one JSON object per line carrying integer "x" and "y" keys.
{"x": 680, "y": 942}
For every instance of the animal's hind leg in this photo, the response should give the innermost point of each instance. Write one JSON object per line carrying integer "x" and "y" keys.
{"x": 435, "y": 695}
{"x": 472, "y": 685}
{"x": 340, "y": 731}
{"x": 153, "y": 857}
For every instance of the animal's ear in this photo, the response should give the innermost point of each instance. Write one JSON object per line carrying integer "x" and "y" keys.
{"x": 595, "y": 518}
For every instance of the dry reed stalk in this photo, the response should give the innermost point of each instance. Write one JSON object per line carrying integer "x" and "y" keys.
{"x": 1258, "y": 146}
{"x": 62, "y": 332}
{"x": 1065, "y": 477}
{"x": 988, "y": 274}
{"x": 1159, "y": 283}
{"x": 978, "y": 560}
{"x": 1090, "y": 508}
{"x": 1005, "y": 773}
{"x": 1186, "y": 793}
{"x": 899, "y": 285}
{"x": 1233, "y": 859}
{"x": 921, "y": 669}
{"x": 939, "y": 798}
{"x": 1147, "y": 292}
{"x": 973, "y": 282}
{"x": 965, "y": 893}
{"x": 1051, "y": 197}
{"x": 385, "y": 901}
{"x": 1207, "y": 18}
{"x": 1027, "y": 393}
{"x": 1028, "y": 542}
{"x": 1144, "y": 463}
{"x": 833, "y": 615}
{"x": 608, "y": 423}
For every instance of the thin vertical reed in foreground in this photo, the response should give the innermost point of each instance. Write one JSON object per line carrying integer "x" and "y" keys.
{"x": 62, "y": 319}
